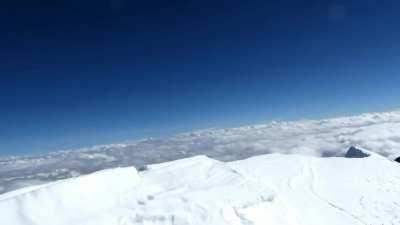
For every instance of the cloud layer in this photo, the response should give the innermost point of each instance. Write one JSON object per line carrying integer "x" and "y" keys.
{"x": 377, "y": 132}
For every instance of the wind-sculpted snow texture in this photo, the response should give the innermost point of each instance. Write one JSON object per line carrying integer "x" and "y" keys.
{"x": 272, "y": 189}
{"x": 377, "y": 132}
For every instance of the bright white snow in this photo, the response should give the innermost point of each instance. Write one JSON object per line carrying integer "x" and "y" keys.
{"x": 270, "y": 189}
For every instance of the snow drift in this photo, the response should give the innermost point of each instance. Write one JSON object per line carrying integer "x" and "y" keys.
{"x": 270, "y": 189}
{"x": 86, "y": 195}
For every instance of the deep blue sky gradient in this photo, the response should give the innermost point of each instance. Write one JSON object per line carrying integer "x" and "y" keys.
{"x": 79, "y": 73}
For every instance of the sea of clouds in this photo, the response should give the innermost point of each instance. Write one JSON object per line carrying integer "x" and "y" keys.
{"x": 376, "y": 132}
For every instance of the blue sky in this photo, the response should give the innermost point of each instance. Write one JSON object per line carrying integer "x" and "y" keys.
{"x": 76, "y": 74}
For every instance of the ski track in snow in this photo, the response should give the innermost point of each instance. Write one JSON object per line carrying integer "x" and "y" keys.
{"x": 278, "y": 189}
{"x": 281, "y": 189}
{"x": 310, "y": 168}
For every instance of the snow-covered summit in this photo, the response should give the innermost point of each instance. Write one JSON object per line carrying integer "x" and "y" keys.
{"x": 268, "y": 189}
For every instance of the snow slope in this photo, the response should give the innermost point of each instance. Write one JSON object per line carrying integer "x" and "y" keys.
{"x": 378, "y": 132}
{"x": 272, "y": 189}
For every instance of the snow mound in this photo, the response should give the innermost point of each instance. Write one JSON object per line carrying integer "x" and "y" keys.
{"x": 270, "y": 189}
{"x": 65, "y": 201}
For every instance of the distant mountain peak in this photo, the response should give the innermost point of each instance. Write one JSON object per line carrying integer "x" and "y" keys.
{"x": 354, "y": 152}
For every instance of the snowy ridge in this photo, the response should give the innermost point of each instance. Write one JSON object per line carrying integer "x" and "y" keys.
{"x": 377, "y": 132}
{"x": 85, "y": 195}
{"x": 269, "y": 189}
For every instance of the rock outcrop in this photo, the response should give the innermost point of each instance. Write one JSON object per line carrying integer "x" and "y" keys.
{"x": 354, "y": 152}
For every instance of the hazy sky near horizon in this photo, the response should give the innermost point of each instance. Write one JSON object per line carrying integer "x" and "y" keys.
{"x": 79, "y": 73}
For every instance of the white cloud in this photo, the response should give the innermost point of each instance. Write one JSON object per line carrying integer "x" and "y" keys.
{"x": 376, "y": 132}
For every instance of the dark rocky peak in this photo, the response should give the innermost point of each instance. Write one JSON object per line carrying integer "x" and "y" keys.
{"x": 354, "y": 152}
